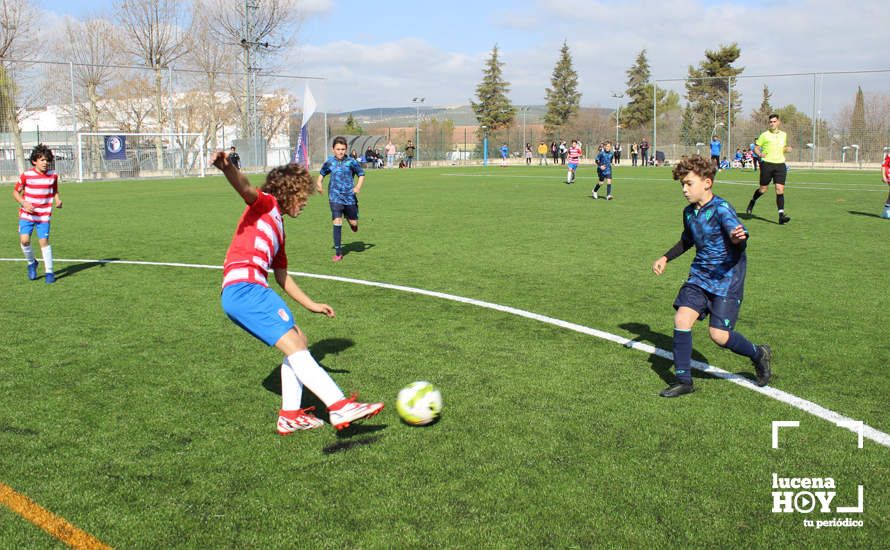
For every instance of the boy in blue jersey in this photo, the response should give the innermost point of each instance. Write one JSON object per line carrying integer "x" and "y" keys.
{"x": 604, "y": 170}
{"x": 342, "y": 194}
{"x": 716, "y": 277}
{"x": 716, "y": 148}
{"x": 505, "y": 152}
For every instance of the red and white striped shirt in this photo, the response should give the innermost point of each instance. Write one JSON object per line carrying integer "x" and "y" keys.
{"x": 258, "y": 244}
{"x": 574, "y": 155}
{"x": 38, "y": 189}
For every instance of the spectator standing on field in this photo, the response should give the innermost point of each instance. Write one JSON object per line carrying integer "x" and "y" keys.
{"x": 634, "y": 153}
{"x": 528, "y": 154}
{"x": 617, "y": 157}
{"x": 563, "y": 151}
{"x": 234, "y": 157}
{"x": 554, "y": 152}
{"x": 390, "y": 151}
{"x": 644, "y": 151}
{"x": 409, "y": 154}
{"x": 542, "y": 154}
{"x": 716, "y": 147}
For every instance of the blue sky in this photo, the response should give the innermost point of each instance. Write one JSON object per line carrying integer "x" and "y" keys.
{"x": 382, "y": 54}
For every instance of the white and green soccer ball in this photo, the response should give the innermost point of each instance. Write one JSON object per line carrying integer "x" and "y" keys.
{"x": 419, "y": 404}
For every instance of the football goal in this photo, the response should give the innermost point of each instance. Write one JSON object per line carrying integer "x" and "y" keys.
{"x": 108, "y": 155}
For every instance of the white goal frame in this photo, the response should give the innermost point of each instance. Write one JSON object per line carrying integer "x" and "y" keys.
{"x": 171, "y": 135}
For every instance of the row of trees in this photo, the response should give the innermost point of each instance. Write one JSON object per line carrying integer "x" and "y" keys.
{"x": 121, "y": 71}
{"x": 712, "y": 102}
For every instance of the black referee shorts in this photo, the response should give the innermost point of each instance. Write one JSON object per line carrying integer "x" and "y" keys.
{"x": 772, "y": 172}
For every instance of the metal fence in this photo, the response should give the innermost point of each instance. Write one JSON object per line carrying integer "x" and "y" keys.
{"x": 833, "y": 119}
{"x": 52, "y": 102}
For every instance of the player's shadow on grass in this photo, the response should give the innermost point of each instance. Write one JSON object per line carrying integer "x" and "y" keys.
{"x": 348, "y": 444}
{"x": 661, "y": 366}
{"x": 357, "y": 246}
{"x": 745, "y": 216}
{"x": 319, "y": 350}
{"x": 869, "y": 214}
{"x": 69, "y": 270}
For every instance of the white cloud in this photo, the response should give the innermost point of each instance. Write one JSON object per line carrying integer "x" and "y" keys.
{"x": 604, "y": 39}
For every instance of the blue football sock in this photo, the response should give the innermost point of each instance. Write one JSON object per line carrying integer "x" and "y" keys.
{"x": 740, "y": 345}
{"x": 338, "y": 232}
{"x": 683, "y": 355}
{"x": 597, "y": 188}
{"x": 608, "y": 188}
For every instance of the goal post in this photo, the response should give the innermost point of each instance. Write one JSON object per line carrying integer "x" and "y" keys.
{"x": 107, "y": 155}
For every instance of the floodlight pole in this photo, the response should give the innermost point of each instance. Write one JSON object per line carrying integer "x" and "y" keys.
{"x": 617, "y": 97}
{"x": 524, "y": 111}
{"x": 417, "y": 101}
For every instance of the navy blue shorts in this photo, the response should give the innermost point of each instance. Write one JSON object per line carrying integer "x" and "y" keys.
{"x": 603, "y": 176}
{"x": 724, "y": 311}
{"x": 349, "y": 211}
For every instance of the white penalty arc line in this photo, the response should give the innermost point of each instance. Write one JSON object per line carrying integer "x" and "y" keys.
{"x": 814, "y": 409}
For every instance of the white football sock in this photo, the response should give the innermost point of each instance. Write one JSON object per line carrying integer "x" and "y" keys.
{"x": 291, "y": 388}
{"x": 47, "y": 257}
{"x": 315, "y": 378}
{"x": 29, "y": 253}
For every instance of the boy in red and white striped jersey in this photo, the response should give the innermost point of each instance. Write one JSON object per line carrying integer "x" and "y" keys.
{"x": 35, "y": 192}
{"x": 257, "y": 246}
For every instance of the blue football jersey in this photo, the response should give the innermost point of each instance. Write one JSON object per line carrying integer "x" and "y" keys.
{"x": 719, "y": 265}
{"x": 605, "y": 157}
{"x": 342, "y": 173}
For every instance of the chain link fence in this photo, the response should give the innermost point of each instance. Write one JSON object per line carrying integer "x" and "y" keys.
{"x": 172, "y": 118}
{"x": 833, "y": 119}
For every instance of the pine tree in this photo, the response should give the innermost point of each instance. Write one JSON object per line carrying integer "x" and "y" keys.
{"x": 563, "y": 97}
{"x": 687, "y": 127}
{"x": 858, "y": 132}
{"x": 706, "y": 89}
{"x": 760, "y": 116}
{"x": 352, "y": 127}
{"x": 638, "y": 111}
{"x": 494, "y": 109}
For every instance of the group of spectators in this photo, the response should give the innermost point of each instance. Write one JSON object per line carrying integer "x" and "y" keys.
{"x": 375, "y": 158}
{"x": 558, "y": 150}
{"x": 745, "y": 157}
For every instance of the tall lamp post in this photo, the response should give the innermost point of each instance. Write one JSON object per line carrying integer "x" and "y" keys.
{"x": 618, "y": 98}
{"x": 417, "y": 101}
{"x": 524, "y": 111}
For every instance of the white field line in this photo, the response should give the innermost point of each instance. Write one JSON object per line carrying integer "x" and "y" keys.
{"x": 790, "y": 399}
{"x": 808, "y": 186}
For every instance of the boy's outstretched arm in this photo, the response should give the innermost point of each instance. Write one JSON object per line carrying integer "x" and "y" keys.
{"x": 291, "y": 288}
{"x": 237, "y": 180}
{"x": 678, "y": 249}
{"x": 318, "y": 184}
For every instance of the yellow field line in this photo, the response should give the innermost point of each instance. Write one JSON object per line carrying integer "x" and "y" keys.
{"x": 49, "y": 522}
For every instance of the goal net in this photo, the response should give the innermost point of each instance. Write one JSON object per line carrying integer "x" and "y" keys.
{"x": 108, "y": 155}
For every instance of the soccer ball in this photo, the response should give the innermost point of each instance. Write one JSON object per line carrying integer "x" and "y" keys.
{"x": 419, "y": 404}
